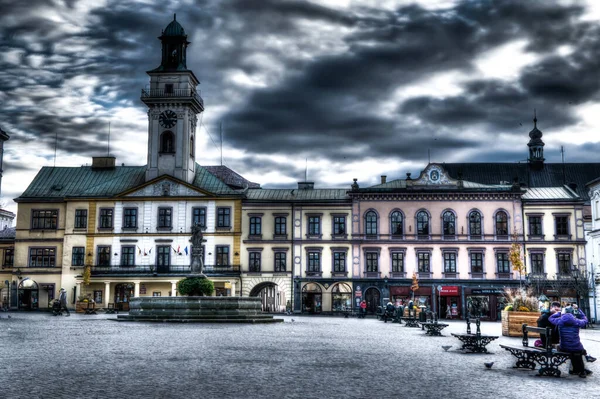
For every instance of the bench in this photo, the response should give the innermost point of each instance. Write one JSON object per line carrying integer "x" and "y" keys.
{"x": 90, "y": 309}
{"x": 548, "y": 358}
{"x": 410, "y": 321}
{"x": 475, "y": 343}
{"x": 110, "y": 309}
{"x": 434, "y": 329}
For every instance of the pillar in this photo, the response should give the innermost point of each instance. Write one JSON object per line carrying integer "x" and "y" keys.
{"x": 173, "y": 288}
{"x": 233, "y": 288}
{"x": 136, "y": 289}
{"x": 78, "y": 292}
{"x": 106, "y": 293}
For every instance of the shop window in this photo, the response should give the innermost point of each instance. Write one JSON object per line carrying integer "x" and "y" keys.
{"x": 341, "y": 297}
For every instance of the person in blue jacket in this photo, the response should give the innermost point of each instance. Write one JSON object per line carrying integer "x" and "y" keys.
{"x": 568, "y": 330}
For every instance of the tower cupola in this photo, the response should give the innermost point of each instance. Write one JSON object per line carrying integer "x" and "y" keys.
{"x": 174, "y": 47}
{"x": 536, "y": 145}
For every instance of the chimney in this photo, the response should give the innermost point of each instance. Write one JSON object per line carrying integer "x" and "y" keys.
{"x": 383, "y": 179}
{"x": 103, "y": 162}
{"x": 306, "y": 185}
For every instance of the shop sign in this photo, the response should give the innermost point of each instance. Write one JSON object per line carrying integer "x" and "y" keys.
{"x": 142, "y": 289}
{"x": 449, "y": 290}
{"x": 488, "y": 291}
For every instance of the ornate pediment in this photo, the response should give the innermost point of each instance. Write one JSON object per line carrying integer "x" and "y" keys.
{"x": 434, "y": 174}
{"x": 166, "y": 188}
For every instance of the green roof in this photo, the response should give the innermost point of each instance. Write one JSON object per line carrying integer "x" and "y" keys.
{"x": 85, "y": 181}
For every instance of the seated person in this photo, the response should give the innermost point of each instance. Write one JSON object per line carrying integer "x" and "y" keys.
{"x": 568, "y": 329}
{"x": 543, "y": 321}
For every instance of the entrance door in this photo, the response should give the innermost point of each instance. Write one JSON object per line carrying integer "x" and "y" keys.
{"x": 373, "y": 298}
{"x": 28, "y": 294}
{"x": 122, "y": 294}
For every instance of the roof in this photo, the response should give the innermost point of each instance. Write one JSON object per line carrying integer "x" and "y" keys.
{"x": 8, "y": 233}
{"x": 550, "y": 194}
{"x": 174, "y": 28}
{"x": 549, "y": 175}
{"x": 85, "y": 181}
{"x": 231, "y": 178}
{"x": 403, "y": 184}
{"x": 292, "y": 195}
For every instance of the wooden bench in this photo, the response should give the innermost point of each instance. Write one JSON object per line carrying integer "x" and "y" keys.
{"x": 434, "y": 328}
{"x": 475, "y": 342}
{"x": 548, "y": 358}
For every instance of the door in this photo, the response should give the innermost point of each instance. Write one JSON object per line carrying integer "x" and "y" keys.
{"x": 373, "y": 298}
{"x": 122, "y": 294}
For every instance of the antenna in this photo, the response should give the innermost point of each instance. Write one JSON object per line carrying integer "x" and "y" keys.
{"x": 108, "y": 146}
{"x": 55, "y": 145}
{"x": 221, "y": 133}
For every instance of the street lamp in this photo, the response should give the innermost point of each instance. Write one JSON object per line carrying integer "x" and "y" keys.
{"x": 576, "y": 274}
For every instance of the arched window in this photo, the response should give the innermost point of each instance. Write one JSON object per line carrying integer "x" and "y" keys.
{"x": 422, "y": 224}
{"x": 501, "y": 225}
{"x": 475, "y": 225}
{"x": 396, "y": 223}
{"x": 167, "y": 142}
{"x": 371, "y": 223}
{"x": 448, "y": 224}
{"x": 341, "y": 297}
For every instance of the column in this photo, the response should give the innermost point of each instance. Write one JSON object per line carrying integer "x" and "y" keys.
{"x": 233, "y": 293}
{"x": 136, "y": 289}
{"x": 78, "y": 292}
{"x": 173, "y": 288}
{"x": 106, "y": 293}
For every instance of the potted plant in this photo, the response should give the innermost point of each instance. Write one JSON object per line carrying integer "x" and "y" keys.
{"x": 523, "y": 307}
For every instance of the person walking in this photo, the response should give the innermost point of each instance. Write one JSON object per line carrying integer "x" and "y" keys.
{"x": 62, "y": 297}
{"x": 363, "y": 309}
{"x": 568, "y": 330}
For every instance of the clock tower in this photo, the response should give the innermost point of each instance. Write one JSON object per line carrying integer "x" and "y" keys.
{"x": 173, "y": 108}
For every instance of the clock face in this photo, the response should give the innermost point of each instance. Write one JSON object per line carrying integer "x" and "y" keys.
{"x": 167, "y": 119}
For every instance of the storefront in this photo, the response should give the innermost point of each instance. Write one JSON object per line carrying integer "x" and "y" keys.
{"x": 312, "y": 298}
{"x": 400, "y": 296}
{"x": 484, "y": 303}
{"x": 450, "y": 303}
{"x": 341, "y": 297}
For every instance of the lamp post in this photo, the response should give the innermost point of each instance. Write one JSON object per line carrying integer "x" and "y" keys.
{"x": 575, "y": 273}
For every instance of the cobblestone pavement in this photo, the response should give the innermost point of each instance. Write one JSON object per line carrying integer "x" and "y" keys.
{"x": 304, "y": 357}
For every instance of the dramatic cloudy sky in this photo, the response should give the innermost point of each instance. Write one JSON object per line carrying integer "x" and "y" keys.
{"x": 351, "y": 88}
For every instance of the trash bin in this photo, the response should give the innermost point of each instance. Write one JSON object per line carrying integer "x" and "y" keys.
{"x": 423, "y": 316}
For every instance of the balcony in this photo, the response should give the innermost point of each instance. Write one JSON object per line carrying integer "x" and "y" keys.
{"x": 150, "y": 96}
{"x": 171, "y": 270}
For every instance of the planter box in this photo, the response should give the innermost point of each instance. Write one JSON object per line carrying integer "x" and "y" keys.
{"x": 80, "y": 307}
{"x": 512, "y": 323}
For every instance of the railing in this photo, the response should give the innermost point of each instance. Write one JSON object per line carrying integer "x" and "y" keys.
{"x": 160, "y": 270}
{"x": 181, "y": 93}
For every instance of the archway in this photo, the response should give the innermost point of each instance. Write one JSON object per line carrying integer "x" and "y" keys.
{"x": 373, "y": 298}
{"x": 273, "y": 300}
{"x": 312, "y": 298}
{"x": 28, "y": 294}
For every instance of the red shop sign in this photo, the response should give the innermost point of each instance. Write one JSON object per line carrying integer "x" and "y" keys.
{"x": 449, "y": 290}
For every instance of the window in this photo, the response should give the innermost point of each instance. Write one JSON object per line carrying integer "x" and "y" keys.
{"x": 397, "y": 223}
{"x": 371, "y": 223}
{"x": 199, "y": 217}
{"x": 254, "y": 262}
{"x": 424, "y": 262}
{"x": 192, "y": 147}
{"x": 397, "y": 262}
{"x": 280, "y": 262}
{"x": 255, "y": 225}
{"x": 339, "y": 262}
{"x": 372, "y": 262}
{"x": 314, "y": 225}
{"x": 449, "y": 224}
{"x": 9, "y": 257}
{"x": 564, "y": 262}
{"x": 42, "y": 257}
{"x": 165, "y": 218}
{"x": 339, "y": 225}
{"x": 163, "y": 257}
{"x": 106, "y": 218}
{"x": 475, "y": 225}
{"x": 130, "y": 218}
{"x": 501, "y": 224}
{"x": 422, "y": 225}
{"x": 314, "y": 261}
{"x": 98, "y": 296}
{"x": 167, "y": 142}
{"x": 46, "y": 219}
{"x": 476, "y": 262}
{"x": 537, "y": 263}
{"x": 535, "y": 225}
{"x": 223, "y": 217}
{"x": 561, "y": 225}
{"x": 78, "y": 256}
{"x": 128, "y": 255}
{"x": 169, "y": 88}
{"x": 80, "y": 218}
{"x": 222, "y": 255}
{"x": 449, "y": 262}
{"x": 103, "y": 255}
{"x": 280, "y": 225}
{"x": 502, "y": 262}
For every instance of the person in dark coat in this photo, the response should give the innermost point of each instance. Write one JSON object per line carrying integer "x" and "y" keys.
{"x": 568, "y": 328}
{"x": 389, "y": 312}
{"x": 62, "y": 297}
{"x": 543, "y": 321}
